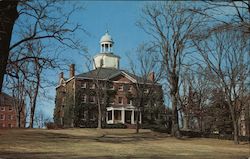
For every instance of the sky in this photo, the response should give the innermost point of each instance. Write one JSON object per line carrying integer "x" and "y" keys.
{"x": 119, "y": 18}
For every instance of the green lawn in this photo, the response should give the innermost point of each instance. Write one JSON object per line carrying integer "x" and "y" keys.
{"x": 112, "y": 143}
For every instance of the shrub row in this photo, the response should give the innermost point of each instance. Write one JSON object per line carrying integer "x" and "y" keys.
{"x": 114, "y": 126}
{"x": 214, "y": 136}
{"x": 52, "y": 125}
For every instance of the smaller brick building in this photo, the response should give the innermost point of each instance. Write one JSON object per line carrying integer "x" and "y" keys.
{"x": 8, "y": 116}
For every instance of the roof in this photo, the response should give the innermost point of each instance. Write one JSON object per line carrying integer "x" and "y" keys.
{"x": 109, "y": 73}
{"x": 5, "y": 98}
{"x": 106, "y": 38}
{"x": 107, "y": 54}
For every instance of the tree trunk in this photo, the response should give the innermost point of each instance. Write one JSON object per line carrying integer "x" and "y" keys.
{"x": 137, "y": 122}
{"x": 185, "y": 122}
{"x": 99, "y": 115}
{"x": 174, "y": 97}
{"x": 19, "y": 119}
{"x": 8, "y": 16}
{"x": 33, "y": 106}
{"x": 235, "y": 125}
{"x": 31, "y": 116}
{"x": 175, "y": 123}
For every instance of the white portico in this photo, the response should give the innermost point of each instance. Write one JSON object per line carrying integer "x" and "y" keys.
{"x": 124, "y": 115}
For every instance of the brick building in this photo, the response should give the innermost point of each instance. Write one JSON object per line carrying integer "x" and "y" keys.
{"x": 115, "y": 89}
{"x": 8, "y": 116}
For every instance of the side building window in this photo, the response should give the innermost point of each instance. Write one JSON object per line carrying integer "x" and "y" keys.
{"x": 2, "y": 108}
{"x": 10, "y": 108}
{"x": 92, "y": 99}
{"x": 2, "y": 117}
{"x": 84, "y": 98}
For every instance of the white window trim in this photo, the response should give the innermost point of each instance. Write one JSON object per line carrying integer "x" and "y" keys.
{"x": 120, "y": 88}
{"x": 2, "y": 108}
{"x": 93, "y": 99}
{"x": 92, "y": 86}
{"x": 10, "y": 110}
{"x": 130, "y": 89}
{"x": 3, "y": 117}
{"x": 84, "y": 85}
{"x": 146, "y": 91}
{"x": 84, "y": 98}
{"x": 130, "y": 102}
{"x": 119, "y": 102}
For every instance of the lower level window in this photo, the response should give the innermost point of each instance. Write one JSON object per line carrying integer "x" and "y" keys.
{"x": 109, "y": 115}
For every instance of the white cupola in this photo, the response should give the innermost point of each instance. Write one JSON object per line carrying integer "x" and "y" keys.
{"x": 106, "y": 58}
{"x": 106, "y": 43}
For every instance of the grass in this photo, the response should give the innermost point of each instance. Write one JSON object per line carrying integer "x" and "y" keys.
{"x": 113, "y": 143}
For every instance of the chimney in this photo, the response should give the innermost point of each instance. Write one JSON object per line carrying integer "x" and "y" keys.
{"x": 71, "y": 70}
{"x": 60, "y": 77}
{"x": 151, "y": 76}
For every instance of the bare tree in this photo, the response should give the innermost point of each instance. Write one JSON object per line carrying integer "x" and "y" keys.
{"x": 225, "y": 53}
{"x": 8, "y": 16}
{"x": 170, "y": 25}
{"x": 235, "y": 13}
{"x": 147, "y": 72}
{"x": 45, "y": 20}
{"x": 193, "y": 99}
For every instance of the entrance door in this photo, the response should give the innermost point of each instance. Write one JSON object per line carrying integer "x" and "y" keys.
{"x": 128, "y": 116}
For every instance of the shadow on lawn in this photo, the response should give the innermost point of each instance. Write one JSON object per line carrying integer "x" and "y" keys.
{"x": 47, "y": 155}
{"x": 51, "y": 137}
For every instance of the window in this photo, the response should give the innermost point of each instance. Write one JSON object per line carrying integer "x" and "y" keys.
{"x": 9, "y": 126}
{"x": 102, "y": 100}
{"x": 92, "y": 99}
{"x": 120, "y": 88}
{"x": 117, "y": 114}
{"x": 84, "y": 98}
{"x": 109, "y": 115}
{"x": 83, "y": 85}
{"x": 10, "y": 108}
{"x": 130, "y": 88}
{"x": 2, "y": 125}
{"x": 10, "y": 117}
{"x": 3, "y": 108}
{"x": 111, "y": 101}
{"x": 92, "y": 86}
{"x": 146, "y": 90}
{"x": 120, "y": 100}
{"x": 130, "y": 102}
{"x": 2, "y": 117}
{"x": 111, "y": 86}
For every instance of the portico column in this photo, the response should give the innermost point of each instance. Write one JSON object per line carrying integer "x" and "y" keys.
{"x": 132, "y": 117}
{"x": 113, "y": 115}
{"x": 123, "y": 115}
